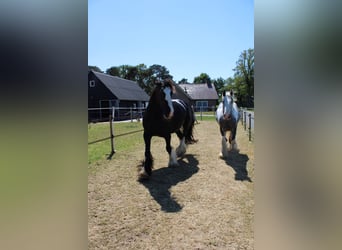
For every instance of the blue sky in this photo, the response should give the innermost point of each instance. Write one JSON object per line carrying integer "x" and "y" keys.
{"x": 188, "y": 37}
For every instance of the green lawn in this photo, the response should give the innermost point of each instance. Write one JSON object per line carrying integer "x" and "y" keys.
{"x": 206, "y": 116}
{"x": 205, "y": 113}
{"x": 100, "y": 150}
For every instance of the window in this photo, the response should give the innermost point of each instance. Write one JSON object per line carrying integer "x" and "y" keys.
{"x": 92, "y": 83}
{"x": 201, "y": 106}
{"x": 201, "y": 103}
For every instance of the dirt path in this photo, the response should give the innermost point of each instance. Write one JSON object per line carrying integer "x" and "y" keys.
{"x": 206, "y": 203}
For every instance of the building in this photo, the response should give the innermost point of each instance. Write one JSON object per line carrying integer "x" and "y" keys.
{"x": 202, "y": 96}
{"x": 106, "y": 91}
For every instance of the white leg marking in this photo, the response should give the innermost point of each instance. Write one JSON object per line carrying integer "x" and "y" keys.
{"x": 181, "y": 149}
{"x": 234, "y": 146}
{"x": 173, "y": 159}
{"x": 142, "y": 174}
{"x": 224, "y": 150}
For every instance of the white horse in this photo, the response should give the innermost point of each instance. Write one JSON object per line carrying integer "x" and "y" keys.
{"x": 227, "y": 116}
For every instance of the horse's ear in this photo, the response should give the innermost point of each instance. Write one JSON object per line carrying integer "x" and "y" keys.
{"x": 223, "y": 94}
{"x": 157, "y": 83}
{"x": 231, "y": 92}
{"x": 173, "y": 88}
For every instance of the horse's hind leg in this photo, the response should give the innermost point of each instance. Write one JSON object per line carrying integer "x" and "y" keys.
{"x": 172, "y": 154}
{"x": 181, "y": 149}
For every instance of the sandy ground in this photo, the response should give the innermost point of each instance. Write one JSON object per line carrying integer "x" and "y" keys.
{"x": 206, "y": 203}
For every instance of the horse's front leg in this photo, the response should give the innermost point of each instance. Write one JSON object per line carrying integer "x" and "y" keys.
{"x": 224, "y": 146}
{"x": 232, "y": 140}
{"x": 181, "y": 149}
{"x": 172, "y": 154}
{"x": 148, "y": 162}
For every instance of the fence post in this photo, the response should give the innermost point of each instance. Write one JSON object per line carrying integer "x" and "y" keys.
{"x": 113, "y": 113}
{"x": 241, "y": 116}
{"x": 244, "y": 120}
{"x": 249, "y": 126}
{"x": 140, "y": 114}
{"x": 131, "y": 112}
{"x": 201, "y": 112}
{"x": 111, "y": 137}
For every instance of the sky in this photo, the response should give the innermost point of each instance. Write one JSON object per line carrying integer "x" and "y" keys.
{"x": 188, "y": 37}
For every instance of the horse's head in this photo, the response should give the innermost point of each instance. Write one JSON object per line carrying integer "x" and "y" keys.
{"x": 163, "y": 94}
{"x": 227, "y": 99}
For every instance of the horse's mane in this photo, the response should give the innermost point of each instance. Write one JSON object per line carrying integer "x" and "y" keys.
{"x": 154, "y": 100}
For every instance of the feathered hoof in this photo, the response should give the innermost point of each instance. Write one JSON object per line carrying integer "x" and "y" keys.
{"x": 142, "y": 175}
{"x": 233, "y": 149}
{"x": 221, "y": 156}
{"x": 173, "y": 164}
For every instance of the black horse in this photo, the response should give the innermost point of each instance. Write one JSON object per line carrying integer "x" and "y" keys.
{"x": 163, "y": 117}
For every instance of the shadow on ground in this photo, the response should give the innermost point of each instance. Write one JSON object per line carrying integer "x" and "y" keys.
{"x": 239, "y": 163}
{"x": 163, "y": 179}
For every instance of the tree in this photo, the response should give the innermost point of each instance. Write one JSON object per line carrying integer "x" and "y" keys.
{"x": 183, "y": 81}
{"x": 219, "y": 84}
{"x": 244, "y": 75}
{"x": 95, "y": 68}
{"x": 230, "y": 84}
{"x": 153, "y": 74}
{"x": 142, "y": 75}
{"x": 145, "y": 76}
{"x": 124, "y": 71}
{"x": 240, "y": 91}
{"x": 128, "y": 72}
{"x": 113, "y": 71}
{"x": 159, "y": 73}
{"x": 229, "y": 81}
{"x": 202, "y": 78}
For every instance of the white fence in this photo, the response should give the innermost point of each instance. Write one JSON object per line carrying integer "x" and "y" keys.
{"x": 116, "y": 113}
{"x": 129, "y": 113}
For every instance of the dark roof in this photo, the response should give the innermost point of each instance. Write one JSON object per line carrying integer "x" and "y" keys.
{"x": 199, "y": 91}
{"x": 123, "y": 89}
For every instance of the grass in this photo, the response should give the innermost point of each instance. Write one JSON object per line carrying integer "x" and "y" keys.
{"x": 205, "y": 113}
{"x": 100, "y": 150}
{"x": 205, "y": 117}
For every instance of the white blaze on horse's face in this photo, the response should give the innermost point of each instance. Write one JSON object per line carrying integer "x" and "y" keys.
{"x": 227, "y": 107}
{"x": 167, "y": 92}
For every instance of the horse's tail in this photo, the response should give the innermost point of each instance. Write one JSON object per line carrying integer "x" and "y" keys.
{"x": 189, "y": 128}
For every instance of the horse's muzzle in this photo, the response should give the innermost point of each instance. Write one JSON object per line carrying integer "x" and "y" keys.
{"x": 227, "y": 117}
